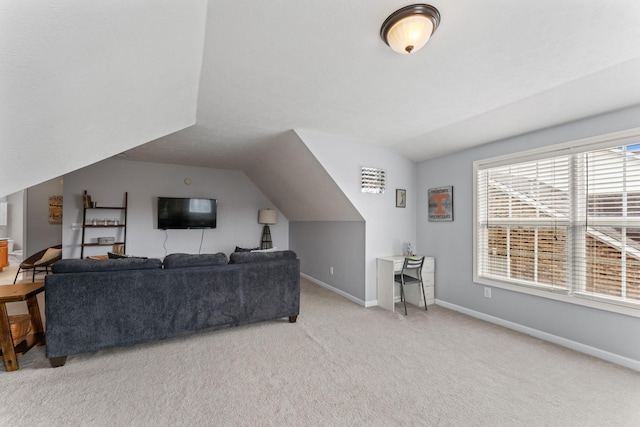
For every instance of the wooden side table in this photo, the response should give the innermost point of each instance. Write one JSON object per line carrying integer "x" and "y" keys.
{"x": 12, "y": 293}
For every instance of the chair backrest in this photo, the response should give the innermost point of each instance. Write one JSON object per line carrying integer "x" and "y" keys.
{"x": 413, "y": 263}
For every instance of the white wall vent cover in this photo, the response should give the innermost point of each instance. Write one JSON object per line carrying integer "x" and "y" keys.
{"x": 374, "y": 180}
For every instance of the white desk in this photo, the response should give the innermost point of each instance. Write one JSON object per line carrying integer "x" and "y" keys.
{"x": 388, "y": 290}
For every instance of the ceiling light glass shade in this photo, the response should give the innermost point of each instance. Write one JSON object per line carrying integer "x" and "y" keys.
{"x": 410, "y": 34}
{"x": 407, "y": 30}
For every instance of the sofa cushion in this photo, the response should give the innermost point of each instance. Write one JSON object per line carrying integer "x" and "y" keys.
{"x": 98, "y": 265}
{"x": 247, "y": 257}
{"x": 194, "y": 260}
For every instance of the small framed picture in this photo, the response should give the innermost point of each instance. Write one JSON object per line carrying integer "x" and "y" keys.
{"x": 401, "y": 198}
{"x": 441, "y": 204}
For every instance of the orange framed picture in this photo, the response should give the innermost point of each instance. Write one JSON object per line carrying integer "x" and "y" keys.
{"x": 441, "y": 204}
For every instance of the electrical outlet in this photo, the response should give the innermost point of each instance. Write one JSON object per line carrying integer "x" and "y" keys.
{"x": 76, "y": 226}
{"x": 487, "y": 292}
{"x": 331, "y": 270}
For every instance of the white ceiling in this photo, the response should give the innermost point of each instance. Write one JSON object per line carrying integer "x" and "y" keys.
{"x": 493, "y": 69}
{"x": 83, "y": 82}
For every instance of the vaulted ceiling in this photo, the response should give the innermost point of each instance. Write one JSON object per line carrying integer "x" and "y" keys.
{"x": 205, "y": 83}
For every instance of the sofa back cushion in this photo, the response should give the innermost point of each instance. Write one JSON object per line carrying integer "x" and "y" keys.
{"x": 194, "y": 260}
{"x": 247, "y": 257}
{"x": 99, "y": 265}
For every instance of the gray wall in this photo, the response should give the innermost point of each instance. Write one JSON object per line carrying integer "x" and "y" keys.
{"x": 107, "y": 181}
{"x": 387, "y": 228}
{"x": 16, "y": 216}
{"x": 451, "y": 244}
{"x": 321, "y": 245}
{"x": 39, "y": 233}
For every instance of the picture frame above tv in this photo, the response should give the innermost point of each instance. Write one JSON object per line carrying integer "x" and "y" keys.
{"x": 183, "y": 213}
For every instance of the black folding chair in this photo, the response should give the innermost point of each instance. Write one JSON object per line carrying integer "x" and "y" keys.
{"x": 411, "y": 273}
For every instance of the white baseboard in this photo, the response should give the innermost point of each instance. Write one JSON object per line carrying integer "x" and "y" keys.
{"x": 573, "y": 345}
{"x": 340, "y": 292}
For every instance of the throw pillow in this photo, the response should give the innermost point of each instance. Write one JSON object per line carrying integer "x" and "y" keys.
{"x": 239, "y": 249}
{"x": 112, "y": 255}
{"x": 49, "y": 254}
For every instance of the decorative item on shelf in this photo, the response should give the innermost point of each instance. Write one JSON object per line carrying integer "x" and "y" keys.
{"x": 106, "y": 240}
{"x": 86, "y": 200}
{"x": 267, "y": 217}
{"x": 408, "y": 29}
{"x": 409, "y": 249}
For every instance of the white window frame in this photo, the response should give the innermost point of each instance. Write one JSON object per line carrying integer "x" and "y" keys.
{"x": 626, "y": 137}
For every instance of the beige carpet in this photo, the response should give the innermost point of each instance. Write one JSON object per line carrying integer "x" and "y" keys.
{"x": 339, "y": 365}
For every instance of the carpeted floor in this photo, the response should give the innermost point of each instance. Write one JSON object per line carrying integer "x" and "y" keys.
{"x": 339, "y": 365}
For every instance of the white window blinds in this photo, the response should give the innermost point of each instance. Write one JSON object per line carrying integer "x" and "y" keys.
{"x": 374, "y": 180}
{"x": 567, "y": 223}
{"x": 611, "y": 255}
{"x": 524, "y": 217}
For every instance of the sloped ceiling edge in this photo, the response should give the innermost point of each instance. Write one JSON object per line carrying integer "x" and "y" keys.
{"x": 295, "y": 181}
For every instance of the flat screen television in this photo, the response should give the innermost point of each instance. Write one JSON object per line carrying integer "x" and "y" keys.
{"x": 185, "y": 213}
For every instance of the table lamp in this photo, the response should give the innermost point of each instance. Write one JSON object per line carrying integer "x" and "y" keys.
{"x": 267, "y": 217}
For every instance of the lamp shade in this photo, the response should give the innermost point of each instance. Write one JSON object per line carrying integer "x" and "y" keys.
{"x": 407, "y": 30}
{"x": 267, "y": 216}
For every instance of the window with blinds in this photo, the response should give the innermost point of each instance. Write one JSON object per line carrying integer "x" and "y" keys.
{"x": 566, "y": 222}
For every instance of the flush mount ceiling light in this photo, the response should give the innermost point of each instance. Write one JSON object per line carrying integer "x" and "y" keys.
{"x": 408, "y": 29}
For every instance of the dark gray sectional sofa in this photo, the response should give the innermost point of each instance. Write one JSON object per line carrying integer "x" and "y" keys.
{"x": 97, "y": 304}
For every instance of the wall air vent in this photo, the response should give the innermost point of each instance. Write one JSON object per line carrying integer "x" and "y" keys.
{"x": 374, "y": 180}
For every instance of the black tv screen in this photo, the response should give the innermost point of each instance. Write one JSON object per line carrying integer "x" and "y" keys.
{"x": 184, "y": 213}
